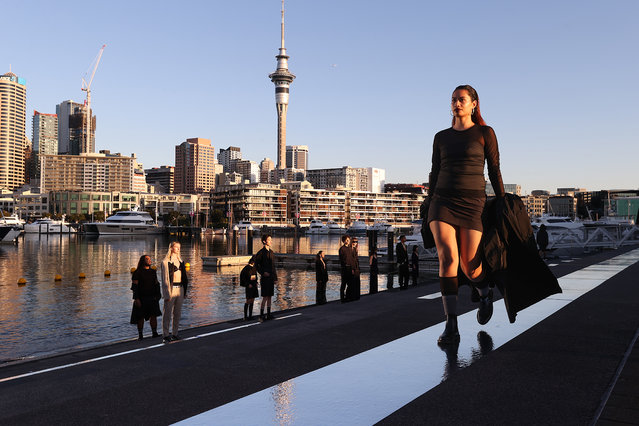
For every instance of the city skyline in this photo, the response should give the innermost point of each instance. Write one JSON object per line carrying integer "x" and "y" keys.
{"x": 373, "y": 81}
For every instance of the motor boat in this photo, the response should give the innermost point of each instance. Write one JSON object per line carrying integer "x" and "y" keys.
{"x": 382, "y": 227}
{"x": 244, "y": 226}
{"x": 562, "y": 222}
{"x": 47, "y": 225}
{"x": 317, "y": 227}
{"x": 334, "y": 228}
{"x": 357, "y": 227}
{"x": 11, "y": 220}
{"x": 129, "y": 222}
{"x": 9, "y": 233}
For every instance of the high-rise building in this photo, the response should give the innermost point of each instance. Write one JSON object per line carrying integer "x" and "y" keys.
{"x": 266, "y": 165}
{"x": 45, "y": 133}
{"x": 163, "y": 176}
{"x": 248, "y": 169}
{"x": 90, "y": 172}
{"x": 78, "y": 141}
{"x": 282, "y": 79}
{"x": 353, "y": 178}
{"x": 64, "y": 111}
{"x": 13, "y": 117}
{"x": 195, "y": 166}
{"x": 45, "y": 138}
{"x": 226, "y": 157}
{"x": 297, "y": 156}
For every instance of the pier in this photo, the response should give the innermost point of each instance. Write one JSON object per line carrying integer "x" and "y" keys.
{"x": 571, "y": 359}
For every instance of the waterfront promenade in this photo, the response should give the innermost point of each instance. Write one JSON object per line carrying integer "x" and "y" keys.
{"x": 572, "y": 359}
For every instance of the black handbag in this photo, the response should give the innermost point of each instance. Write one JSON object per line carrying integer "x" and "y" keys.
{"x": 427, "y": 234}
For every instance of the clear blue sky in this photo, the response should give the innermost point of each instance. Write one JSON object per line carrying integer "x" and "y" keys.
{"x": 557, "y": 79}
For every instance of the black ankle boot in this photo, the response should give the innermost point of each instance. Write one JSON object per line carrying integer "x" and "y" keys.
{"x": 140, "y": 335}
{"x": 485, "y": 311}
{"x": 451, "y": 332}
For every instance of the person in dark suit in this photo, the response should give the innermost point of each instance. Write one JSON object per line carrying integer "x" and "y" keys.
{"x": 374, "y": 270}
{"x": 321, "y": 276}
{"x": 265, "y": 264}
{"x": 355, "y": 290}
{"x": 347, "y": 266}
{"x": 402, "y": 262}
{"x": 248, "y": 280}
{"x": 542, "y": 240}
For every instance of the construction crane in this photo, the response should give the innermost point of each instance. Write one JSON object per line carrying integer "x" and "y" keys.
{"x": 86, "y": 87}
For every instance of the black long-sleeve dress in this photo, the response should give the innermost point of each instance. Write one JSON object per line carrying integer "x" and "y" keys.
{"x": 457, "y": 186}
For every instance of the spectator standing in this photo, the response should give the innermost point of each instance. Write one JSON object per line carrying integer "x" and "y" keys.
{"x": 402, "y": 262}
{"x": 265, "y": 264}
{"x": 248, "y": 280}
{"x": 174, "y": 286}
{"x": 146, "y": 296}
{"x": 321, "y": 276}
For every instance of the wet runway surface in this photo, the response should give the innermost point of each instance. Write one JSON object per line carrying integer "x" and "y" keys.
{"x": 567, "y": 360}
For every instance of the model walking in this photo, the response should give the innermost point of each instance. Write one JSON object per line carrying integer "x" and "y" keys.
{"x": 174, "y": 286}
{"x": 457, "y": 192}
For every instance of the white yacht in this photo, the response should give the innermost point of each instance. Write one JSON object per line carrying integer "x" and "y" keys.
{"x": 382, "y": 227}
{"x": 47, "y": 225}
{"x": 563, "y": 222}
{"x": 357, "y": 227}
{"x": 125, "y": 223}
{"x": 244, "y": 225}
{"x": 317, "y": 227}
{"x": 334, "y": 228}
{"x": 11, "y": 220}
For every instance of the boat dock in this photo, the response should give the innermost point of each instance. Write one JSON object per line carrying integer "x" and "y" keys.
{"x": 572, "y": 359}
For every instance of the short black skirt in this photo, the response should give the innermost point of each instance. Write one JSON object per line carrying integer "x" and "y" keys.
{"x": 268, "y": 286}
{"x": 461, "y": 211}
{"x": 252, "y": 292}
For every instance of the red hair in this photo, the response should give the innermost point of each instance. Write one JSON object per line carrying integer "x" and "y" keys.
{"x": 476, "y": 117}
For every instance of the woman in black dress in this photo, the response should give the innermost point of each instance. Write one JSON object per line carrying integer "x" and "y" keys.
{"x": 146, "y": 296}
{"x": 374, "y": 270}
{"x": 457, "y": 196}
{"x": 321, "y": 276}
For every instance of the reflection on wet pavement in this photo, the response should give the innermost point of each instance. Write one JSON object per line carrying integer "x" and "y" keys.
{"x": 351, "y": 387}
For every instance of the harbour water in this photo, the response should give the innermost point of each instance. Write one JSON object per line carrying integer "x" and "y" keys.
{"x": 45, "y": 316}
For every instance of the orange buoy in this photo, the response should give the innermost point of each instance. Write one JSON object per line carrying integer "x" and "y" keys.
{"x": 58, "y": 277}
{"x": 22, "y": 281}
{"x": 107, "y": 273}
{"x": 81, "y": 275}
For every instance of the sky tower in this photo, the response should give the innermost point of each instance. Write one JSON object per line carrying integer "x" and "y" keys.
{"x": 282, "y": 79}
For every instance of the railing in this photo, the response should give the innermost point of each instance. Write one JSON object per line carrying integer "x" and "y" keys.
{"x": 603, "y": 236}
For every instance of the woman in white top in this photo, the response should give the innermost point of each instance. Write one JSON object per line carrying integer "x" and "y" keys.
{"x": 174, "y": 285}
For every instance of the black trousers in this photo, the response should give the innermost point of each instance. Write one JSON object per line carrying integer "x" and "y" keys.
{"x": 320, "y": 293}
{"x": 403, "y": 275}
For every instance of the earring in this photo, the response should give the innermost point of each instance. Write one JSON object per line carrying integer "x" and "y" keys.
{"x": 473, "y": 113}
{"x": 451, "y": 113}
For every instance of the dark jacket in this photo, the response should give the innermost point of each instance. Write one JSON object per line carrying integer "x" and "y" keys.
{"x": 265, "y": 262}
{"x": 542, "y": 238}
{"x": 346, "y": 260}
{"x": 511, "y": 255}
{"x": 402, "y": 254}
{"x": 248, "y": 276}
{"x": 321, "y": 274}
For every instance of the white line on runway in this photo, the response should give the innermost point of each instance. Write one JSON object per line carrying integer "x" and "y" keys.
{"x": 287, "y": 316}
{"x": 160, "y": 345}
{"x": 431, "y": 296}
{"x": 367, "y": 387}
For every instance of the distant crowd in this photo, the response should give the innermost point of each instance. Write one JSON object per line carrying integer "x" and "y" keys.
{"x": 148, "y": 290}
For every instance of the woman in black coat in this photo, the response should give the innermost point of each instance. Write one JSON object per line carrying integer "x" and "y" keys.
{"x": 248, "y": 280}
{"x": 321, "y": 276}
